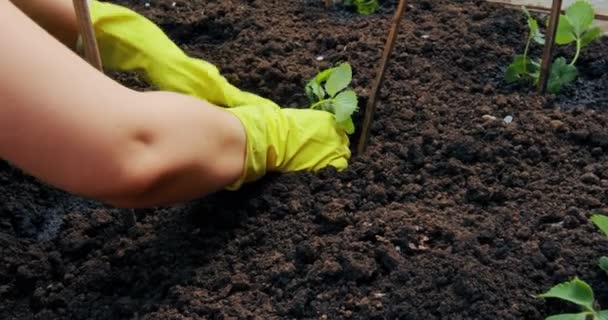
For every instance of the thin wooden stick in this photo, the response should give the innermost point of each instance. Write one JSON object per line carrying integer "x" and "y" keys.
{"x": 549, "y": 44}
{"x": 85, "y": 25}
{"x": 371, "y": 103}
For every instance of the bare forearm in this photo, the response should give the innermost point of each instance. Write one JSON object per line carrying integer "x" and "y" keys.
{"x": 68, "y": 124}
{"x": 57, "y": 17}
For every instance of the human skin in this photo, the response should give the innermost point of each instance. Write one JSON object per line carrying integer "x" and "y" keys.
{"x": 71, "y": 126}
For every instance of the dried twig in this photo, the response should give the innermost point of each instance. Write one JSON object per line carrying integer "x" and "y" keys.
{"x": 549, "y": 44}
{"x": 91, "y": 51}
{"x": 371, "y": 103}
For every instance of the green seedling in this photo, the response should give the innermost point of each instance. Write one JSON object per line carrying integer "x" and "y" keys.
{"x": 575, "y": 26}
{"x": 523, "y": 67}
{"x": 329, "y": 90}
{"x": 601, "y": 222}
{"x": 580, "y": 293}
{"x": 364, "y": 7}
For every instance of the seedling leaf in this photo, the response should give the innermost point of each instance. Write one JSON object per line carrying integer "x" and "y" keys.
{"x": 576, "y": 291}
{"x": 314, "y": 91}
{"x": 520, "y": 68}
{"x": 580, "y": 15}
{"x": 601, "y": 222}
{"x": 565, "y": 31}
{"x": 591, "y": 35}
{"x": 603, "y": 315}
{"x": 569, "y": 316}
{"x": 339, "y": 79}
{"x": 366, "y": 7}
{"x": 345, "y": 104}
{"x": 534, "y": 30}
{"x": 603, "y": 263}
{"x": 561, "y": 75}
{"x": 347, "y": 125}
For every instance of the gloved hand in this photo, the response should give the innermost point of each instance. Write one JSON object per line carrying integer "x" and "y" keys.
{"x": 130, "y": 42}
{"x": 278, "y": 139}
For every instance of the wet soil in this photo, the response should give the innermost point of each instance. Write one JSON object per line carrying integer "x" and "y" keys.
{"x": 452, "y": 214}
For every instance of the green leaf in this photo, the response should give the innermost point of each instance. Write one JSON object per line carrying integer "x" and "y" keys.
{"x": 314, "y": 91}
{"x": 603, "y": 315}
{"x": 576, "y": 291}
{"x": 561, "y": 75}
{"x": 323, "y": 75}
{"x": 344, "y": 104}
{"x": 347, "y": 125}
{"x": 570, "y": 316}
{"x": 339, "y": 79}
{"x": 366, "y": 7}
{"x": 591, "y": 35}
{"x": 534, "y": 29}
{"x": 603, "y": 263}
{"x": 520, "y": 68}
{"x": 601, "y": 222}
{"x": 581, "y": 15}
{"x": 565, "y": 32}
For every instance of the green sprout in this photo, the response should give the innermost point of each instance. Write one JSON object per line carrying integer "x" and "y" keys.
{"x": 523, "y": 68}
{"x": 578, "y": 291}
{"x": 329, "y": 91}
{"x": 364, "y": 7}
{"x": 575, "y": 26}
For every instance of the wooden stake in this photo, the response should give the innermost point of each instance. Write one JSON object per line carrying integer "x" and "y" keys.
{"x": 85, "y": 25}
{"x": 549, "y": 44}
{"x": 371, "y": 103}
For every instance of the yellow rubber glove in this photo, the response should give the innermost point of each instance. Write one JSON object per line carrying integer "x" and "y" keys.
{"x": 278, "y": 140}
{"x": 130, "y": 42}
{"x": 287, "y": 140}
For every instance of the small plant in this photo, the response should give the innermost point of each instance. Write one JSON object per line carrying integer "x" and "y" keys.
{"x": 575, "y": 26}
{"x": 329, "y": 91}
{"x": 364, "y": 7}
{"x": 578, "y": 291}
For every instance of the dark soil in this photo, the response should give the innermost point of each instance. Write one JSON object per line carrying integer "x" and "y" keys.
{"x": 451, "y": 214}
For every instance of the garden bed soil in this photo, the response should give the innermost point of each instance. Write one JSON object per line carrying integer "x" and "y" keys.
{"x": 450, "y": 215}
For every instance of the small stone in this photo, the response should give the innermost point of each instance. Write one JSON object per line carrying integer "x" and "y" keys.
{"x": 320, "y": 58}
{"x": 556, "y": 124}
{"x": 147, "y": 4}
{"x": 487, "y": 117}
{"x": 590, "y": 178}
{"x": 508, "y": 119}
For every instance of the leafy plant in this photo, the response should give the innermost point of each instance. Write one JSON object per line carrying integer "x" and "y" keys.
{"x": 364, "y": 7}
{"x": 523, "y": 68}
{"x": 575, "y": 26}
{"x": 602, "y": 223}
{"x": 329, "y": 91}
{"x": 578, "y": 291}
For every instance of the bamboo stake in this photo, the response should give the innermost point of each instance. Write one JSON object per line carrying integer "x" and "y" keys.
{"x": 549, "y": 44}
{"x": 371, "y": 103}
{"x": 85, "y": 25}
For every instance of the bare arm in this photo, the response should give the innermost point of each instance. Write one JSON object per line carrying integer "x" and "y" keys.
{"x": 66, "y": 123}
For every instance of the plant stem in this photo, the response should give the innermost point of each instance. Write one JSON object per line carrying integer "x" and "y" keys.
{"x": 319, "y": 103}
{"x": 526, "y": 53}
{"x": 578, "y": 51}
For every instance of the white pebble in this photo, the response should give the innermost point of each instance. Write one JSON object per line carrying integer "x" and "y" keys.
{"x": 147, "y": 4}
{"x": 508, "y": 119}
{"x": 320, "y": 58}
{"x": 173, "y": 4}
